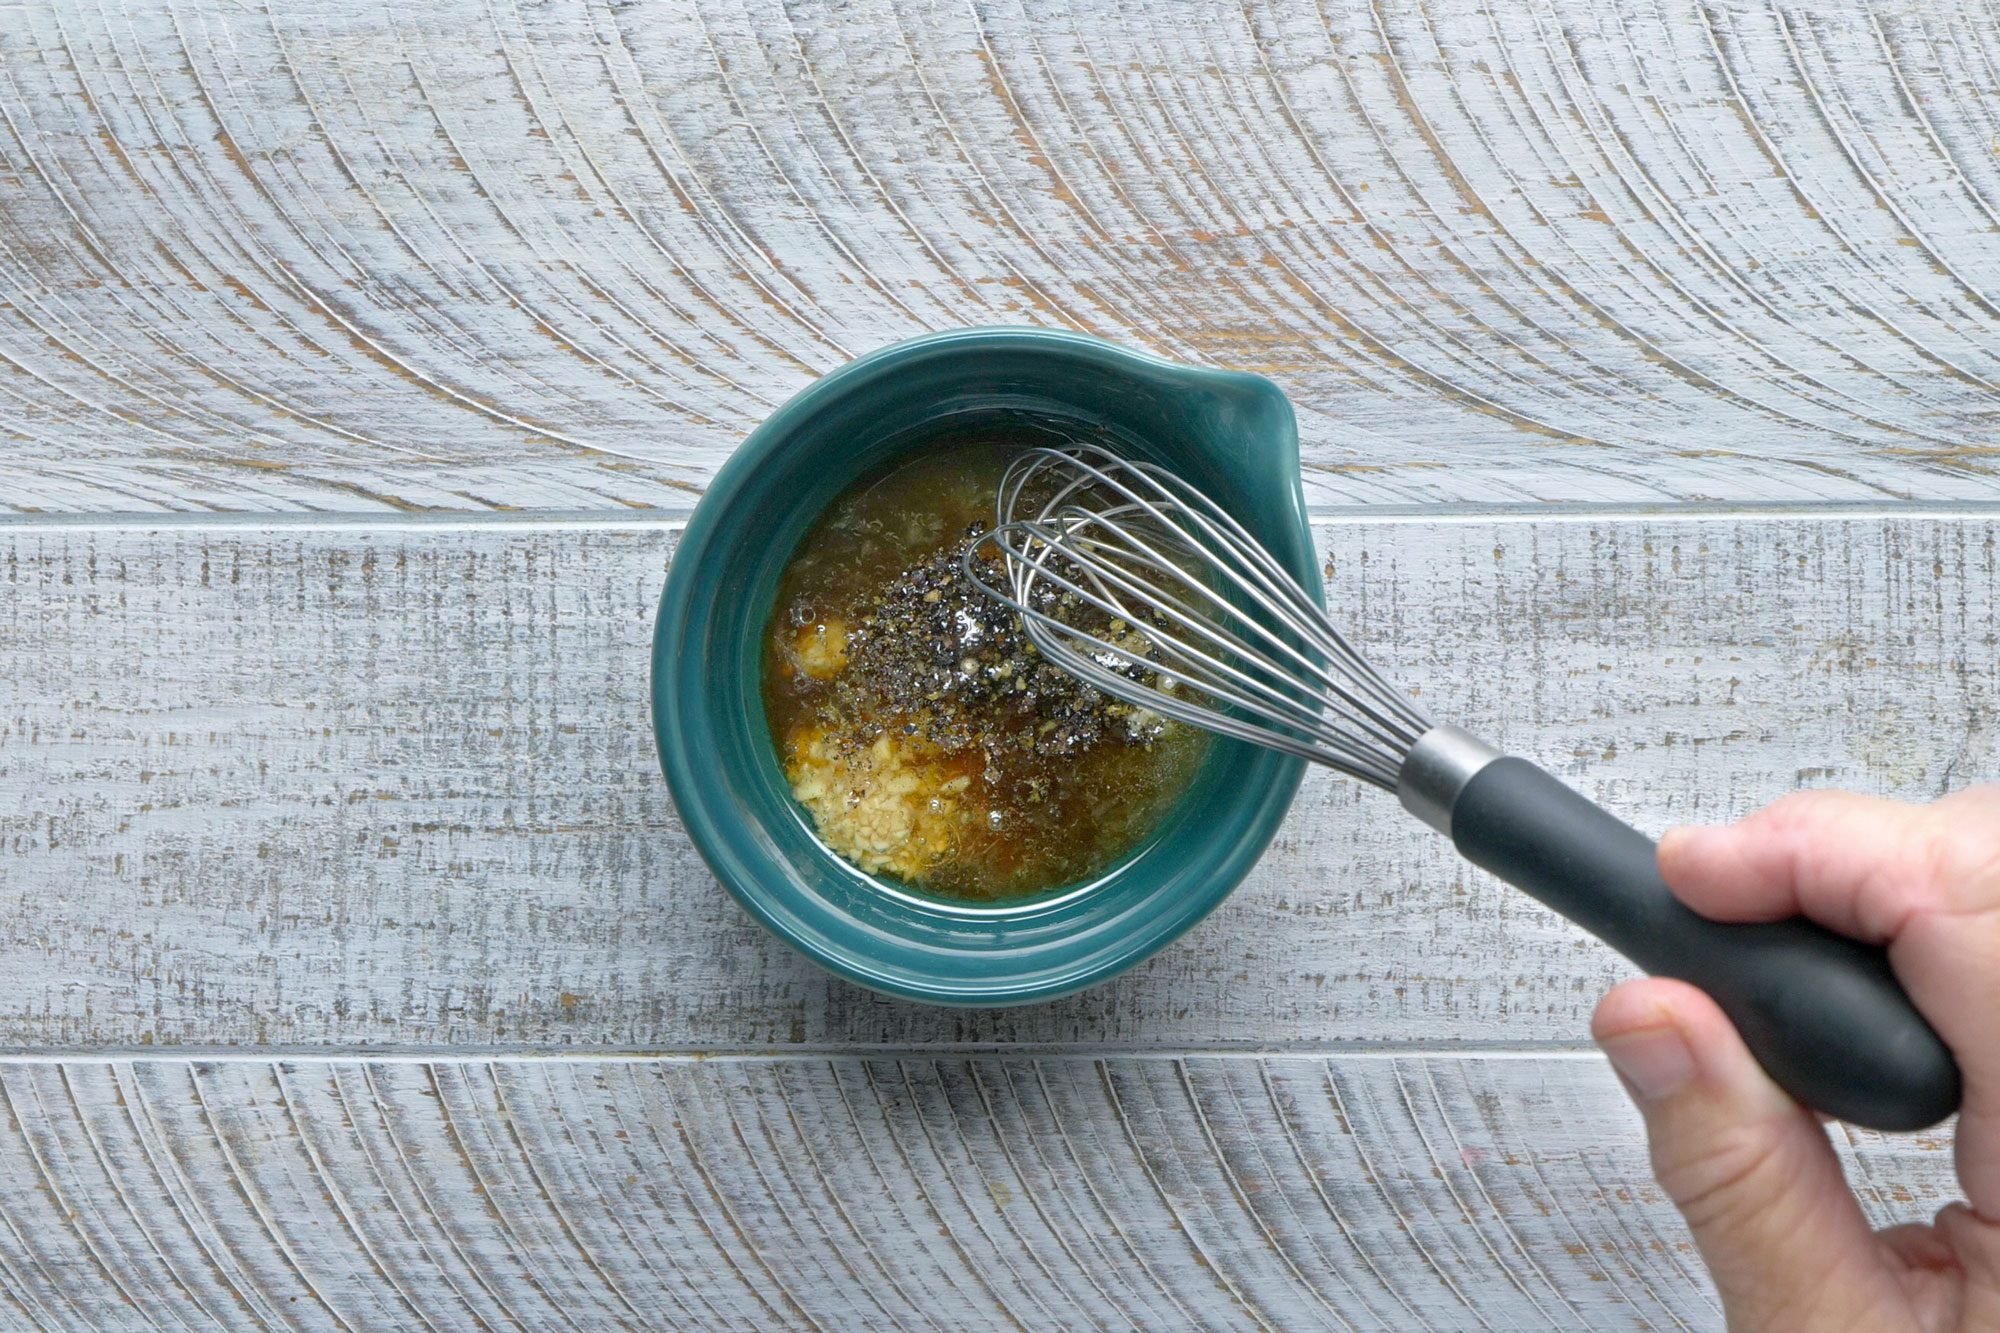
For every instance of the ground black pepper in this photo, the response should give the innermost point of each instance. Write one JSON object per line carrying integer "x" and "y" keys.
{"x": 918, "y": 724}
{"x": 958, "y": 671}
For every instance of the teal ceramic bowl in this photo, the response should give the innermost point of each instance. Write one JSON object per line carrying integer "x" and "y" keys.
{"x": 1231, "y": 434}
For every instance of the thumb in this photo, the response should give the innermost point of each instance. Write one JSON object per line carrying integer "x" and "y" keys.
{"x": 1749, "y": 1168}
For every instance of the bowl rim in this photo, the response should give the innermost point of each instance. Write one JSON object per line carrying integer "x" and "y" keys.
{"x": 691, "y": 787}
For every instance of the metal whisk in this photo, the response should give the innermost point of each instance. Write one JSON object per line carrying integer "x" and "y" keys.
{"x": 1151, "y": 552}
{"x": 1137, "y": 583}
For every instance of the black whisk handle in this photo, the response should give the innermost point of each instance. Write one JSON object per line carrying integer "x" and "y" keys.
{"x": 1824, "y": 1014}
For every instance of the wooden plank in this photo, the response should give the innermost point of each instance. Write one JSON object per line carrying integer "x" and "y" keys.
{"x": 1239, "y": 1192}
{"x": 564, "y": 256}
{"x": 342, "y": 785}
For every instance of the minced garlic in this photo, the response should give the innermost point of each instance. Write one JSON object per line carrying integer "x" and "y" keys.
{"x": 917, "y": 725}
{"x": 822, "y": 648}
{"x": 886, "y": 807}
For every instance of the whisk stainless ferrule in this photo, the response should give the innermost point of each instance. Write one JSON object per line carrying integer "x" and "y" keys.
{"x": 1136, "y": 582}
{"x": 1440, "y": 766}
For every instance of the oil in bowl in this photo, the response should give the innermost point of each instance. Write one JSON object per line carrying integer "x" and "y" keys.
{"x": 916, "y": 724}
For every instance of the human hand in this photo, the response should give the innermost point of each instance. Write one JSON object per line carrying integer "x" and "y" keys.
{"x": 1749, "y": 1168}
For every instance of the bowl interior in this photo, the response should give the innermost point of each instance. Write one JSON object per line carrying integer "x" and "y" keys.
{"x": 1230, "y": 434}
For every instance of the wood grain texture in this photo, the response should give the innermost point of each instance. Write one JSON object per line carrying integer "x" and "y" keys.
{"x": 372, "y": 794}
{"x": 477, "y": 254}
{"x": 395, "y": 785}
{"x": 1216, "y": 1192}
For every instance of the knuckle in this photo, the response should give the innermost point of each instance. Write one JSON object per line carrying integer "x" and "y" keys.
{"x": 1724, "y": 1180}
{"x": 1969, "y": 850}
{"x": 1797, "y": 821}
{"x": 1806, "y": 801}
{"x": 1789, "y": 813}
{"x": 1960, "y": 856}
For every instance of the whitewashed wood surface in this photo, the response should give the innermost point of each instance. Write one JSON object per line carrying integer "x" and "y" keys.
{"x": 358, "y": 786}
{"x": 931, "y": 1192}
{"x": 484, "y": 254}
{"x": 395, "y": 784}
{"x": 358, "y": 362}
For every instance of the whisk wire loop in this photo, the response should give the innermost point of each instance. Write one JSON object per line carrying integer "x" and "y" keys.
{"x": 1214, "y": 676}
{"x": 1216, "y": 632}
{"x": 1177, "y": 506}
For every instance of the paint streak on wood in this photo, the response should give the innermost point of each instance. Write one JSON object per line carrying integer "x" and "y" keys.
{"x": 1438, "y": 1192}
{"x": 564, "y": 256}
{"x": 395, "y": 785}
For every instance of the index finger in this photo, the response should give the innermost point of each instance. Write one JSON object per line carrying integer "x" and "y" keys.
{"x": 1857, "y": 864}
{"x": 1925, "y": 880}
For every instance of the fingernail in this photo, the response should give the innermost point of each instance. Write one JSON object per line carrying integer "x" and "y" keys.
{"x": 1674, "y": 843}
{"x": 1654, "y": 1062}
